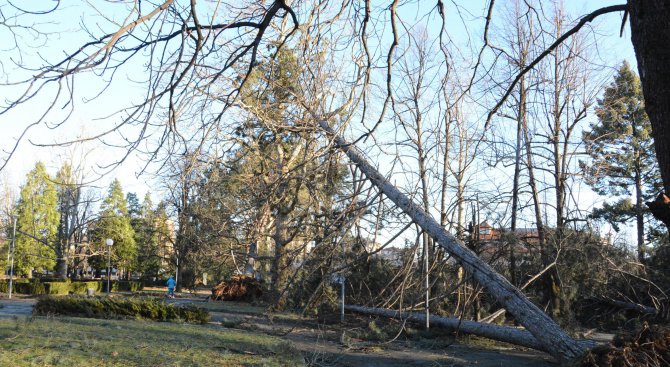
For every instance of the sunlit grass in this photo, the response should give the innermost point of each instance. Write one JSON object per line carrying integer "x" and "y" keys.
{"x": 89, "y": 342}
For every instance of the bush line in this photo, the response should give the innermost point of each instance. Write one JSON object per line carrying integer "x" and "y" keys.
{"x": 63, "y": 287}
{"x": 115, "y": 308}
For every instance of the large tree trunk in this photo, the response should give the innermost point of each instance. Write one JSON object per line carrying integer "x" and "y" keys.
{"x": 279, "y": 268}
{"x": 501, "y": 333}
{"x": 548, "y": 334}
{"x": 650, "y": 34}
{"x": 61, "y": 267}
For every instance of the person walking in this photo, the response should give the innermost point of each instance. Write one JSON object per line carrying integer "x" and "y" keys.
{"x": 171, "y": 284}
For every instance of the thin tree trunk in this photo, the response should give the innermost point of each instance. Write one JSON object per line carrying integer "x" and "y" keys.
{"x": 553, "y": 286}
{"x": 539, "y": 223}
{"x": 445, "y": 170}
{"x": 548, "y": 334}
{"x": 639, "y": 210}
{"x": 515, "y": 184}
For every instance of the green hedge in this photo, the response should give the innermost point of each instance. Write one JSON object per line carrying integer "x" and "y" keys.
{"x": 57, "y": 287}
{"x": 81, "y": 287}
{"x": 63, "y": 287}
{"x": 23, "y": 286}
{"x": 112, "y": 308}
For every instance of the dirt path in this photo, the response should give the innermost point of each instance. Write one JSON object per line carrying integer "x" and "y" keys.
{"x": 324, "y": 352}
{"x": 324, "y": 346}
{"x": 16, "y": 307}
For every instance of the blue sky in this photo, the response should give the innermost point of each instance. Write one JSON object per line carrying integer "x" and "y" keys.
{"x": 89, "y": 117}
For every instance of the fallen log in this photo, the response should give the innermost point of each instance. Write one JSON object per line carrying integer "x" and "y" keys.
{"x": 631, "y": 306}
{"x": 505, "y": 334}
{"x": 547, "y": 332}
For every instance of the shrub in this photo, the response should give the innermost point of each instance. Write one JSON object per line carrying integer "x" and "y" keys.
{"x": 24, "y": 289}
{"x": 122, "y": 286}
{"x": 81, "y": 287}
{"x": 34, "y": 286}
{"x": 127, "y": 286}
{"x": 57, "y": 287}
{"x": 65, "y": 286}
{"x": 112, "y": 308}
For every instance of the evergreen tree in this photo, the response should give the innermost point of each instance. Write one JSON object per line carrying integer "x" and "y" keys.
{"x": 115, "y": 223}
{"x": 284, "y": 175}
{"x": 134, "y": 206}
{"x": 146, "y": 237}
{"x": 622, "y": 163}
{"x": 37, "y": 223}
{"x": 165, "y": 236}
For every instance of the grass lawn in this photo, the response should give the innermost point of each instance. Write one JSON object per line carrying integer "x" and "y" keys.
{"x": 89, "y": 342}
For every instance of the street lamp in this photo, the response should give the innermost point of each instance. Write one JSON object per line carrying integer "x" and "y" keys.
{"x": 109, "y": 242}
{"x": 11, "y": 269}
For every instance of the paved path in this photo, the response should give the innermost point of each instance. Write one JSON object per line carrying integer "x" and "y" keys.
{"x": 16, "y": 307}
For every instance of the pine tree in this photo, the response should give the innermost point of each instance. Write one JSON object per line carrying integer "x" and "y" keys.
{"x": 37, "y": 223}
{"x": 622, "y": 163}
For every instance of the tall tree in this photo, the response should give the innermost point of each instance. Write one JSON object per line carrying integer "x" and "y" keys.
{"x": 286, "y": 164}
{"x": 69, "y": 199}
{"x": 37, "y": 223}
{"x": 565, "y": 96}
{"x": 623, "y": 162}
{"x": 114, "y": 223}
{"x": 146, "y": 237}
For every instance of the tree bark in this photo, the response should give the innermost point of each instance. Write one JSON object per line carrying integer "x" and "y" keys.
{"x": 61, "y": 267}
{"x": 639, "y": 210}
{"x": 515, "y": 185}
{"x": 650, "y": 34}
{"x": 548, "y": 334}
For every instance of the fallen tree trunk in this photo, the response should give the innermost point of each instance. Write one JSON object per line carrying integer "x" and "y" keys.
{"x": 631, "y": 306}
{"x": 501, "y": 311}
{"x": 501, "y": 333}
{"x": 548, "y": 334}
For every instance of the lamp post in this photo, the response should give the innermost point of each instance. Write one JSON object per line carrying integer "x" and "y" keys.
{"x": 109, "y": 242}
{"x": 11, "y": 268}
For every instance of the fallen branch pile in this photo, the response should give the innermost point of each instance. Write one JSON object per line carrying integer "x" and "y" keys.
{"x": 238, "y": 288}
{"x": 650, "y": 346}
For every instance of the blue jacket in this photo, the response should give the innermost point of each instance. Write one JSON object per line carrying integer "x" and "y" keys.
{"x": 171, "y": 283}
